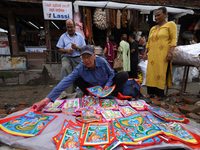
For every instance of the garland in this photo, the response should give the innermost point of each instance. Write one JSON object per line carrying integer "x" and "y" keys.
{"x": 89, "y": 23}
{"x": 124, "y": 17}
{"x": 118, "y": 19}
{"x": 113, "y": 20}
{"x": 99, "y": 18}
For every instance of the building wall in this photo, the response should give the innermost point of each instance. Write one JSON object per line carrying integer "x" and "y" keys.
{"x": 174, "y": 3}
{"x": 8, "y": 62}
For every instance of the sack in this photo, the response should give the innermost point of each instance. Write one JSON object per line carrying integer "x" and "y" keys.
{"x": 118, "y": 62}
{"x": 129, "y": 88}
{"x": 97, "y": 49}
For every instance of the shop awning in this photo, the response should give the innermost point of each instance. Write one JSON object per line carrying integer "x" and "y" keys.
{"x": 145, "y": 9}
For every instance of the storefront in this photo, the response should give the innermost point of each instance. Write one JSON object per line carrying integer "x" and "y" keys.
{"x": 102, "y": 19}
{"x": 29, "y": 39}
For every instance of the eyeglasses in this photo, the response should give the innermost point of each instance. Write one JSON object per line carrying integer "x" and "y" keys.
{"x": 87, "y": 57}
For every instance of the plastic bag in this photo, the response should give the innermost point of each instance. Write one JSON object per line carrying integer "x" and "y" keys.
{"x": 177, "y": 75}
{"x": 188, "y": 35}
{"x": 143, "y": 67}
{"x": 197, "y": 26}
{"x": 194, "y": 72}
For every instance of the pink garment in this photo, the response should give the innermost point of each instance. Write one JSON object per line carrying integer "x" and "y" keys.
{"x": 111, "y": 54}
{"x": 78, "y": 24}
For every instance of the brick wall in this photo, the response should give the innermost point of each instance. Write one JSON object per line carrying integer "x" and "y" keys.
{"x": 177, "y": 3}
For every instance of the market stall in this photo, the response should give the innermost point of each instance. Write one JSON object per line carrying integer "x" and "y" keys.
{"x": 42, "y": 130}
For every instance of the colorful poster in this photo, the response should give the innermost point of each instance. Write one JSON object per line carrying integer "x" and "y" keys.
{"x": 138, "y": 128}
{"x": 108, "y": 104}
{"x": 166, "y": 115}
{"x": 173, "y": 130}
{"x": 97, "y": 134}
{"x": 56, "y": 104}
{"x": 88, "y": 114}
{"x": 53, "y": 110}
{"x": 127, "y": 111}
{"x": 110, "y": 114}
{"x": 88, "y": 101}
{"x": 120, "y": 134}
{"x": 71, "y": 103}
{"x": 27, "y": 125}
{"x": 100, "y": 92}
{"x": 122, "y": 102}
{"x": 70, "y": 140}
{"x": 138, "y": 105}
{"x": 150, "y": 141}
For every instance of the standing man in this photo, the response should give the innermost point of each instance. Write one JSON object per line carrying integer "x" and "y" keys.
{"x": 134, "y": 55}
{"x": 70, "y": 44}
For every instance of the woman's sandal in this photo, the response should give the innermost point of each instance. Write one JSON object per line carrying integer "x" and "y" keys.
{"x": 149, "y": 96}
{"x": 158, "y": 98}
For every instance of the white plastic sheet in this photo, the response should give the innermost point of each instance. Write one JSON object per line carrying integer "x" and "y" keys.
{"x": 143, "y": 8}
{"x": 187, "y": 55}
{"x": 143, "y": 67}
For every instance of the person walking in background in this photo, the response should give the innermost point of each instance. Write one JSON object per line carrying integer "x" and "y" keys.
{"x": 124, "y": 49}
{"x": 134, "y": 56}
{"x": 110, "y": 50}
{"x": 70, "y": 44}
{"x": 160, "y": 47}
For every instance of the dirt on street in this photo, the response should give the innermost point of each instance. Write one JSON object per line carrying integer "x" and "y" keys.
{"x": 13, "y": 95}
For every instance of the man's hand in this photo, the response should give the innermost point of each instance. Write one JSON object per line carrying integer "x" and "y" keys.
{"x": 70, "y": 51}
{"x": 169, "y": 56}
{"x": 41, "y": 104}
{"x": 74, "y": 46}
{"x": 105, "y": 87}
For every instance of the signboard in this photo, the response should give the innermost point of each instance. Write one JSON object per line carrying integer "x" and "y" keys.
{"x": 57, "y": 10}
{"x": 35, "y": 48}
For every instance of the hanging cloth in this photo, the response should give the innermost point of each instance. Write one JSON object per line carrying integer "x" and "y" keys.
{"x": 107, "y": 17}
{"x": 124, "y": 17}
{"x": 128, "y": 15}
{"x": 89, "y": 24}
{"x": 113, "y": 20}
{"x": 118, "y": 19}
{"x": 78, "y": 24}
{"x": 85, "y": 21}
{"x": 130, "y": 20}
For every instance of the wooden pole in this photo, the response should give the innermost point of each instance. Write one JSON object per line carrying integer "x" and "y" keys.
{"x": 13, "y": 33}
{"x": 136, "y": 29}
{"x": 47, "y": 35}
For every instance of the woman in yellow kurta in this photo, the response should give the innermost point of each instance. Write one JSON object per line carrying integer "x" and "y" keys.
{"x": 161, "y": 43}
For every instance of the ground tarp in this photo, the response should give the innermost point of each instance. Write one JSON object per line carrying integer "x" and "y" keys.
{"x": 44, "y": 140}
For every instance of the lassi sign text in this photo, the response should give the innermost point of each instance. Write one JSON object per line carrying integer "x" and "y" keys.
{"x": 57, "y": 10}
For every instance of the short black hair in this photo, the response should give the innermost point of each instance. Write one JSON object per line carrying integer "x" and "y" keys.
{"x": 71, "y": 20}
{"x": 164, "y": 9}
{"x": 133, "y": 36}
{"x": 111, "y": 38}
